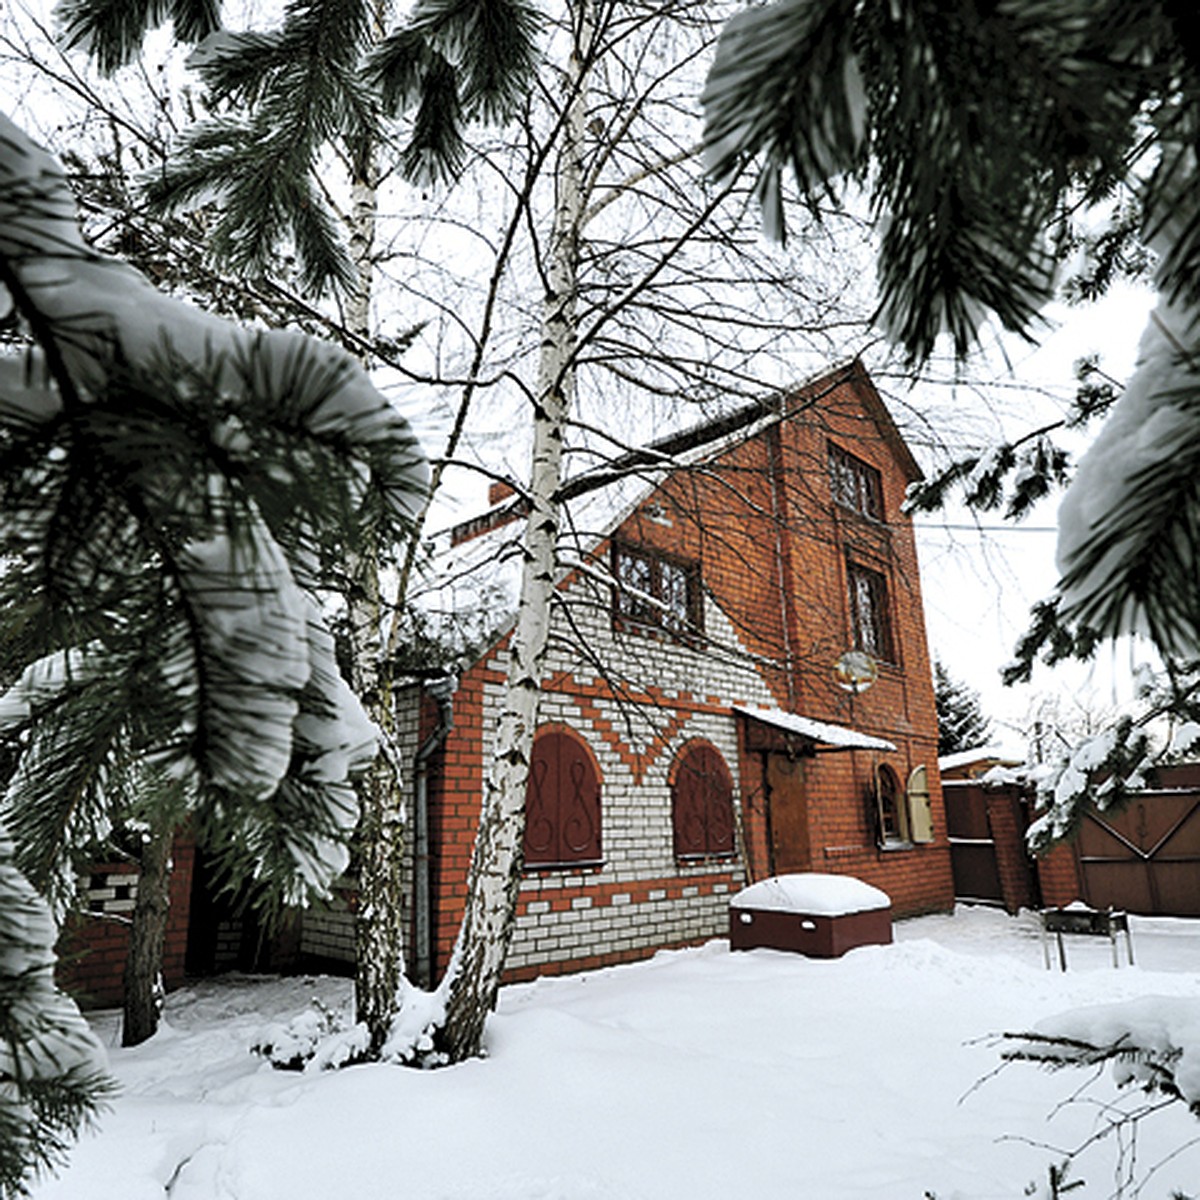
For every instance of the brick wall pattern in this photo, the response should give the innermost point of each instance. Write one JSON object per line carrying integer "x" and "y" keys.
{"x": 773, "y": 550}
{"x": 95, "y": 940}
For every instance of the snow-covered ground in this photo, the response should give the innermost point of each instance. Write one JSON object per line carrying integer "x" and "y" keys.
{"x": 700, "y": 1074}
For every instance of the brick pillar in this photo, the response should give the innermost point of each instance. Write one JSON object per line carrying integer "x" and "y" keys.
{"x": 1059, "y": 876}
{"x": 1012, "y": 861}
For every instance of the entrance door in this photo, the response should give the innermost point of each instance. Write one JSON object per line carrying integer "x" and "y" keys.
{"x": 790, "y": 849}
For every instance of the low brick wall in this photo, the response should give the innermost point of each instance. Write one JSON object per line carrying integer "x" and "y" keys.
{"x": 95, "y": 942}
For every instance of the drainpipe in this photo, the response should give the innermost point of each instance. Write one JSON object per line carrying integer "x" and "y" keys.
{"x": 780, "y": 515}
{"x": 442, "y": 691}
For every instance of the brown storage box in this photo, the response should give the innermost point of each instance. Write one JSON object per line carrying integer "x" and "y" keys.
{"x": 827, "y": 934}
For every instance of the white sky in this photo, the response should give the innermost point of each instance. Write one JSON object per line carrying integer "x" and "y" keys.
{"x": 980, "y": 575}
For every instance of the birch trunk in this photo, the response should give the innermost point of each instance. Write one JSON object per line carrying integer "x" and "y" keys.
{"x": 494, "y": 879}
{"x": 378, "y": 928}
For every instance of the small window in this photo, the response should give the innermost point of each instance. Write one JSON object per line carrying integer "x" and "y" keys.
{"x": 562, "y": 803}
{"x": 856, "y": 484}
{"x": 655, "y": 591}
{"x": 891, "y": 813}
{"x": 870, "y": 614}
{"x": 702, "y": 803}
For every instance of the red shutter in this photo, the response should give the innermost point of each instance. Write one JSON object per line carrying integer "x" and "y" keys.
{"x": 702, "y": 804}
{"x": 562, "y": 803}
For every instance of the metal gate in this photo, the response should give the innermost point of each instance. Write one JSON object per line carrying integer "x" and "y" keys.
{"x": 1146, "y": 859}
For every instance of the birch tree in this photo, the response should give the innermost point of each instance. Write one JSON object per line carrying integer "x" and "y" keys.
{"x": 606, "y": 286}
{"x": 319, "y": 88}
{"x": 602, "y": 171}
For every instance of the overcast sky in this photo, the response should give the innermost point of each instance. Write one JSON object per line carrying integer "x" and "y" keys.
{"x": 979, "y": 584}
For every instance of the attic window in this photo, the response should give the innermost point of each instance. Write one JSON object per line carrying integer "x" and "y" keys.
{"x": 856, "y": 485}
{"x": 655, "y": 591}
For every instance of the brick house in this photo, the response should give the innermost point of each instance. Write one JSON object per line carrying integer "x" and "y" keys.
{"x": 694, "y": 734}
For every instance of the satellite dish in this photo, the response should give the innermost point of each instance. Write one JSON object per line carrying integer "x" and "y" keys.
{"x": 855, "y": 671}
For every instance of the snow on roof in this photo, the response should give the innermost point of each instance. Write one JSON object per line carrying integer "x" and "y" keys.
{"x": 964, "y": 758}
{"x": 818, "y": 731}
{"x": 814, "y": 893}
{"x": 481, "y": 576}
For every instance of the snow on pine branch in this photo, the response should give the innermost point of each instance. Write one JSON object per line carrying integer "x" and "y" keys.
{"x": 174, "y": 486}
{"x": 52, "y": 1066}
{"x": 1153, "y": 1044}
{"x": 1129, "y": 525}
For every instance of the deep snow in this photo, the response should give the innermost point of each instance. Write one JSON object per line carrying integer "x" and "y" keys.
{"x": 697, "y": 1075}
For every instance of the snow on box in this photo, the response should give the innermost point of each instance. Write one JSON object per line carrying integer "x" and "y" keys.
{"x": 813, "y": 893}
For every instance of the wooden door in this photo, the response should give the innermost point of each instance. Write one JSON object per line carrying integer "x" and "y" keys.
{"x": 972, "y": 845}
{"x": 790, "y": 849}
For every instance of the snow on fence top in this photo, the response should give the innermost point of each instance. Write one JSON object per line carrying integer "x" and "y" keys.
{"x": 814, "y": 893}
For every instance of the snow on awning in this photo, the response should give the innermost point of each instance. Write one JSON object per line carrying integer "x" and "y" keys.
{"x": 833, "y": 737}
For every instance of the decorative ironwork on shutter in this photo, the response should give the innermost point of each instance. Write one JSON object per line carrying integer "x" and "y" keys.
{"x": 562, "y": 803}
{"x": 702, "y": 804}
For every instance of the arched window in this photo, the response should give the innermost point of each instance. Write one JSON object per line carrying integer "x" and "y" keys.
{"x": 701, "y": 803}
{"x": 562, "y": 802}
{"x": 892, "y": 814}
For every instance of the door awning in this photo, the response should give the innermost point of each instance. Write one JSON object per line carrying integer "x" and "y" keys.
{"x": 818, "y": 734}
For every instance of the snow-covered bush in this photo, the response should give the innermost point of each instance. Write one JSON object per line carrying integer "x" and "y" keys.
{"x": 318, "y": 1039}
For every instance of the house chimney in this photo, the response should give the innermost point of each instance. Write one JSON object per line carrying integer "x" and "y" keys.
{"x": 498, "y": 491}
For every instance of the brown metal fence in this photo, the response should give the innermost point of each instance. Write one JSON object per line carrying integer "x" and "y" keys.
{"x": 1145, "y": 859}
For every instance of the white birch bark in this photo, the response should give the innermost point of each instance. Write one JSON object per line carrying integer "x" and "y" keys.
{"x": 473, "y": 979}
{"x": 378, "y": 920}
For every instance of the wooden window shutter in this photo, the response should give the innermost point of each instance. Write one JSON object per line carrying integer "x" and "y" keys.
{"x": 562, "y": 803}
{"x": 920, "y": 808}
{"x": 702, "y": 804}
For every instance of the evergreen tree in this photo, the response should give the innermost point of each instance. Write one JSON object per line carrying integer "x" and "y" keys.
{"x": 976, "y": 131}
{"x": 961, "y": 723}
{"x": 327, "y": 85}
{"x": 633, "y": 294}
{"x": 178, "y": 494}
{"x": 51, "y": 1065}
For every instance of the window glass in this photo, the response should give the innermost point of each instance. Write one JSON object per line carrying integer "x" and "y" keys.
{"x": 869, "y": 613}
{"x": 676, "y": 595}
{"x": 855, "y": 484}
{"x": 891, "y": 814}
{"x": 656, "y": 591}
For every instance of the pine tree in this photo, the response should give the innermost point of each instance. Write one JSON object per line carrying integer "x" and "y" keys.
{"x": 961, "y": 723}
{"x": 329, "y": 82}
{"x": 976, "y": 131}
{"x": 178, "y": 495}
{"x": 52, "y": 1078}
{"x": 632, "y": 286}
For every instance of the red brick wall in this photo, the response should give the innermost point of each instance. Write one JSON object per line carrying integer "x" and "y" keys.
{"x": 93, "y": 946}
{"x": 1005, "y": 817}
{"x": 1059, "y": 877}
{"x": 772, "y": 546}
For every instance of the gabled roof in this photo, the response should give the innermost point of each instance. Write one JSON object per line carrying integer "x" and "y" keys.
{"x": 474, "y": 574}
